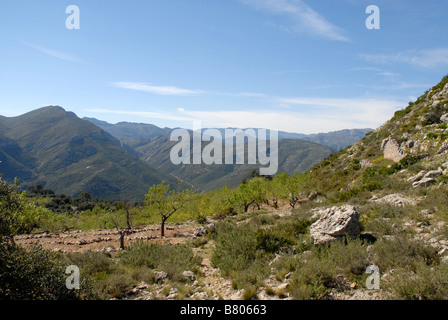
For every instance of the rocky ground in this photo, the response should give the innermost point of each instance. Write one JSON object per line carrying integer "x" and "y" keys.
{"x": 107, "y": 240}
{"x": 209, "y": 285}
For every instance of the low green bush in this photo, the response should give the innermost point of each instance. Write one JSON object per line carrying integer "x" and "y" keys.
{"x": 239, "y": 254}
{"x": 402, "y": 251}
{"x": 36, "y": 274}
{"x": 173, "y": 259}
{"x": 423, "y": 283}
{"x": 322, "y": 269}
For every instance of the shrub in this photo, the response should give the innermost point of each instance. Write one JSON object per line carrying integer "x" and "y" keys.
{"x": 270, "y": 291}
{"x": 314, "y": 278}
{"x": 236, "y": 247}
{"x": 271, "y": 241}
{"x": 424, "y": 283}
{"x": 92, "y": 263}
{"x": 173, "y": 259}
{"x": 433, "y": 116}
{"x": 402, "y": 251}
{"x": 224, "y": 213}
{"x": 250, "y": 293}
{"x": 35, "y": 274}
{"x": 118, "y": 284}
{"x": 326, "y": 268}
{"x": 238, "y": 255}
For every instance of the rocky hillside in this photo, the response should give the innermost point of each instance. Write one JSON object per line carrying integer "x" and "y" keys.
{"x": 412, "y": 142}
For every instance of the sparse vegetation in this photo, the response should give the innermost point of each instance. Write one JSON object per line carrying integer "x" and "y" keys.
{"x": 258, "y": 233}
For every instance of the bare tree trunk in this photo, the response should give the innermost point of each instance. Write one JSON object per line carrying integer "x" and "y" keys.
{"x": 162, "y": 227}
{"x": 247, "y": 205}
{"x": 128, "y": 216}
{"x": 275, "y": 203}
{"x": 122, "y": 233}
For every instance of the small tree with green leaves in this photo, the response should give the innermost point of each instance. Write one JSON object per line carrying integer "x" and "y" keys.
{"x": 167, "y": 201}
{"x": 289, "y": 188}
{"x": 248, "y": 194}
{"x": 296, "y": 186}
{"x": 278, "y": 189}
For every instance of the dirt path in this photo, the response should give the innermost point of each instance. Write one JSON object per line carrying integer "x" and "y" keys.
{"x": 212, "y": 281}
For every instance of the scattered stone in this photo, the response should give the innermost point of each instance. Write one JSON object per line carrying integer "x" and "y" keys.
{"x": 396, "y": 200}
{"x": 201, "y": 231}
{"x": 160, "y": 276}
{"x": 444, "y": 118}
{"x": 110, "y": 249}
{"x": 425, "y": 182}
{"x": 427, "y": 212}
{"x": 283, "y": 286}
{"x": 188, "y": 275}
{"x": 336, "y": 223}
{"x": 142, "y": 286}
{"x": 442, "y": 149}
{"x": 417, "y": 177}
{"x": 200, "y": 295}
{"x": 444, "y": 260}
{"x": 237, "y": 295}
{"x": 433, "y": 173}
{"x": 365, "y": 163}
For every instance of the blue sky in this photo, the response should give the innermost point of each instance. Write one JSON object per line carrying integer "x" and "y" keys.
{"x": 294, "y": 65}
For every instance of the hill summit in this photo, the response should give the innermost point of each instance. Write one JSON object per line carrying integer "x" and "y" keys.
{"x": 55, "y": 148}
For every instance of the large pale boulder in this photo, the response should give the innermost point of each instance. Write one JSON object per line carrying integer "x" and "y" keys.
{"x": 392, "y": 150}
{"x": 444, "y": 118}
{"x": 336, "y": 223}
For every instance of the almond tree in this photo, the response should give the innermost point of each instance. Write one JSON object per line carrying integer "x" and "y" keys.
{"x": 122, "y": 220}
{"x": 248, "y": 194}
{"x": 167, "y": 201}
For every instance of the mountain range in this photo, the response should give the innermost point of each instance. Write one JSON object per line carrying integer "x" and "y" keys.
{"x": 55, "y": 148}
{"x": 69, "y": 155}
{"x": 132, "y": 132}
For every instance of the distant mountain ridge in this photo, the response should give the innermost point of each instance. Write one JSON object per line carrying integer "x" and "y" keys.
{"x": 293, "y": 156}
{"x": 130, "y": 132}
{"x": 127, "y": 131}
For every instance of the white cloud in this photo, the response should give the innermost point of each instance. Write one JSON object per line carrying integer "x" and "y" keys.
{"x": 54, "y": 53}
{"x": 305, "y": 18}
{"x": 160, "y": 90}
{"x": 348, "y": 113}
{"x": 429, "y": 58}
